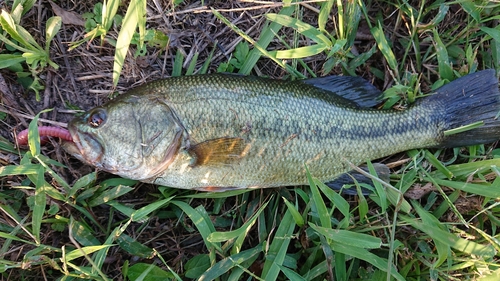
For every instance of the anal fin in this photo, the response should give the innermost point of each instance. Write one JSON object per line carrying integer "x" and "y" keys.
{"x": 339, "y": 183}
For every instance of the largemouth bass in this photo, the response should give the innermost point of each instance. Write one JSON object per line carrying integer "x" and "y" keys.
{"x": 219, "y": 132}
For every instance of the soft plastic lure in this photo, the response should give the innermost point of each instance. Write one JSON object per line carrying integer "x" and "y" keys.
{"x": 45, "y": 131}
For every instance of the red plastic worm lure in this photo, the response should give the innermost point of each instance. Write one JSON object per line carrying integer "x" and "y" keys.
{"x": 44, "y": 131}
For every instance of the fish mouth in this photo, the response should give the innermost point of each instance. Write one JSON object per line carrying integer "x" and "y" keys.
{"x": 85, "y": 147}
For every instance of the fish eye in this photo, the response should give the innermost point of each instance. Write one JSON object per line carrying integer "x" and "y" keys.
{"x": 97, "y": 118}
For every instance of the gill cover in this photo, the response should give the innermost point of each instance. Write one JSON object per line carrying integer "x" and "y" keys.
{"x": 134, "y": 136}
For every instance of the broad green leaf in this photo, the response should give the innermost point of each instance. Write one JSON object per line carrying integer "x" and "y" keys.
{"x": 15, "y": 238}
{"x": 438, "y": 164}
{"x": 122, "y": 208}
{"x": 339, "y": 202}
{"x": 178, "y": 62}
{"x": 26, "y": 5}
{"x": 141, "y": 20}
{"x": 52, "y": 26}
{"x": 473, "y": 9}
{"x": 101, "y": 254}
{"x": 31, "y": 42}
{"x": 8, "y": 24}
{"x": 192, "y": 64}
{"x": 467, "y": 169}
{"x": 7, "y": 60}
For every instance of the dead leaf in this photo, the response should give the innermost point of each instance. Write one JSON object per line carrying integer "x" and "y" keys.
{"x": 67, "y": 17}
{"x": 418, "y": 191}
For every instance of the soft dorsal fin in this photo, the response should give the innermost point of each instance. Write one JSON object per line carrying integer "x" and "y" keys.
{"x": 217, "y": 151}
{"x": 352, "y": 88}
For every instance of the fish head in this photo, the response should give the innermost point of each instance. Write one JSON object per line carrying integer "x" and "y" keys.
{"x": 134, "y": 137}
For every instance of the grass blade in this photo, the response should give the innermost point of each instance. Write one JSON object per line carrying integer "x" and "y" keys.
{"x": 299, "y": 220}
{"x": 141, "y": 214}
{"x": 318, "y": 205}
{"x": 226, "y": 264}
{"x": 466, "y": 246}
{"x": 110, "y": 194}
{"x": 266, "y": 36}
{"x": 278, "y": 247}
{"x": 239, "y": 233}
{"x": 135, "y": 12}
{"x": 383, "y": 46}
{"x": 301, "y": 27}
{"x": 39, "y": 206}
{"x": 445, "y": 70}
{"x": 349, "y": 238}
{"x": 205, "y": 227}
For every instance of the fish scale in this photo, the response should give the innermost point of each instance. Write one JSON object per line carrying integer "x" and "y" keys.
{"x": 270, "y": 128}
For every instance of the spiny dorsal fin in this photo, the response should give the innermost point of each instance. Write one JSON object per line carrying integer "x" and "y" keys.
{"x": 217, "y": 151}
{"x": 355, "y": 89}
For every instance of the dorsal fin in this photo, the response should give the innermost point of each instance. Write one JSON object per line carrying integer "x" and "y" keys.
{"x": 355, "y": 89}
{"x": 217, "y": 151}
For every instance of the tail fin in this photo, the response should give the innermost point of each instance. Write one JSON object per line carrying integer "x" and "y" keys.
{"x": 467, "y": 100}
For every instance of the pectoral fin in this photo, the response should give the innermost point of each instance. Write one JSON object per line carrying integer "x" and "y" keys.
{"x": 217, "y": 151}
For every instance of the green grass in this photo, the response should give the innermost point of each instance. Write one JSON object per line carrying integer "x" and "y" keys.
{"x": 100, "y": 227}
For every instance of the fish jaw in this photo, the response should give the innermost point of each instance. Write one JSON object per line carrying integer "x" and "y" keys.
{"x": 84, "y": 147}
